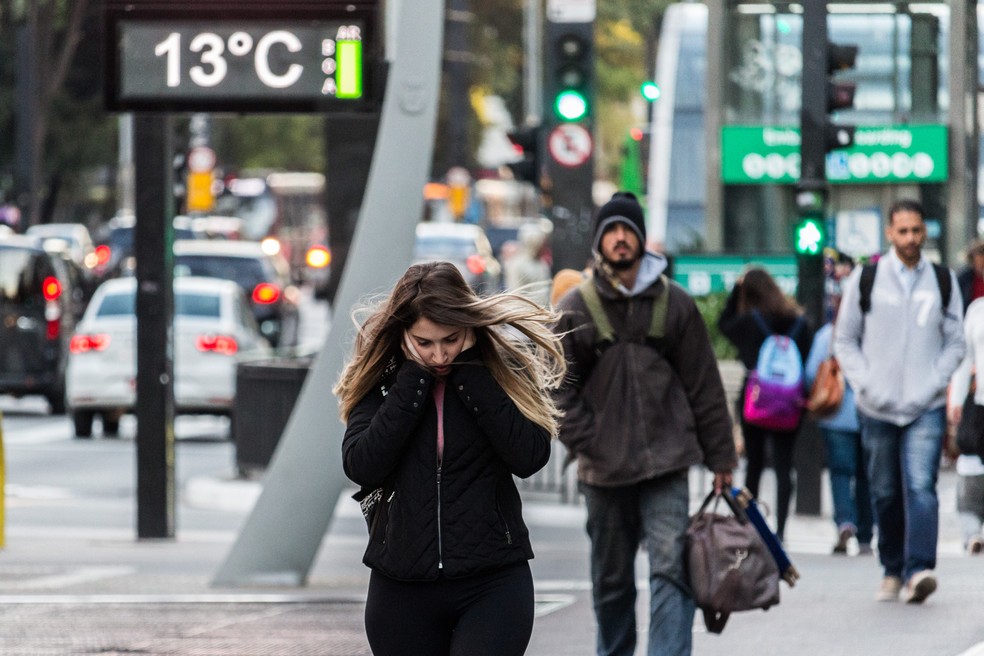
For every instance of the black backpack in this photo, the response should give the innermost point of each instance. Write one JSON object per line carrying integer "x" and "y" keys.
{"x": 868, "y": 281}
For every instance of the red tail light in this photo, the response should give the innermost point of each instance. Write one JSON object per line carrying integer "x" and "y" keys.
{"x": 224, "y": 344}
{"x": 51, "y": 288}
{"x": 475, "y": 264}
{"x": 102, "y": 254}
{"x": 265, "y": 293}
{"x": 85, "y": 343}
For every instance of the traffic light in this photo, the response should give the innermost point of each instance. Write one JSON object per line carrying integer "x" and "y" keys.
{"x": 649, "y": 90}
{"x": 526, "y": 143}
{"x": 810, "y": 237}
{"x": 840, "y": 94}
{"x": 573, "y": 74}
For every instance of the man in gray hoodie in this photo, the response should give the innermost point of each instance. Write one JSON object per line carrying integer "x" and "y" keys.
{"x": 898, "y": 357}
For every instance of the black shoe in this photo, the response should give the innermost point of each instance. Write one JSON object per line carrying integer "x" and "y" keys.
{"x": 845, "y": 535}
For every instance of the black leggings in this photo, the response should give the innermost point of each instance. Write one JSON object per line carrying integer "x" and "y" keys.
{"x": 782, "y": 462}
{"x": 489, "y": 614}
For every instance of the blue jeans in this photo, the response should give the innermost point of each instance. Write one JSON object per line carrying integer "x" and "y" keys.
{"x": 653, "y": 512}
{"x": 903, "y": 467}
{"x": 849, "y": 482}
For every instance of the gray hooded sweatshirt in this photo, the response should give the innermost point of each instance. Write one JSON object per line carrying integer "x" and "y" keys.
{"x": 900, "y": 355}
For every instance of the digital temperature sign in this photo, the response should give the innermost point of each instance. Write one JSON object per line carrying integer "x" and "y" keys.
{"x": 172, "y": 63}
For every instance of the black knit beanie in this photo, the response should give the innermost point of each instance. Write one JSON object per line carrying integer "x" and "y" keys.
{"x": 624, "y": 207}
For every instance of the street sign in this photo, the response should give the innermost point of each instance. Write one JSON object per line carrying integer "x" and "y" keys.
{"x": 879, "y": 154}
{"x": 707, "y": 273}
{"x": 201, "y": 159}
{"x": 571, "y": 11}
{"x": 243, "y": 56}
{"x": 200, "y": 197}
{"x": 570, "y": 144}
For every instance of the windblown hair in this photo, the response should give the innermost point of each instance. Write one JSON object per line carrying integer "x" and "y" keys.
{"x": 759, "y": 291}
{"x": 512, "y": 332}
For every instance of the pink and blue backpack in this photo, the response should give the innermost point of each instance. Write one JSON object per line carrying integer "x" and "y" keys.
{"x": 775, "y": 391}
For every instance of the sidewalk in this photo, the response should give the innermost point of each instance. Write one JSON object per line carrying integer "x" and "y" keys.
{"x": 99, "y": 591}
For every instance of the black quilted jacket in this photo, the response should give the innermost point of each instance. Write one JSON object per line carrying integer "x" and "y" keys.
{"x": 466, "y": 516}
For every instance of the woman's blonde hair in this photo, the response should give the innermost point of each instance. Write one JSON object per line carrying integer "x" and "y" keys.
{"x": 512, "y": 332}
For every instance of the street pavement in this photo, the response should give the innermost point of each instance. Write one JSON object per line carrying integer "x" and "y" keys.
{"x": 99, "y": 591}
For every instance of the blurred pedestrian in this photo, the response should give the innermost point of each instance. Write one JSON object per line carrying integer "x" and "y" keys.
{"x": 970, "y": 469}
{"x": 898, "y": 344}
{"x": 971, "y": 277}
{"x": 526, "y": 272}
{"x": 564, "y": 281}
{"x": 842, "y": 439}
{"x": 446, "y": 398}
{"x": 754, "y": 299}
{"x": 643, "y": 403}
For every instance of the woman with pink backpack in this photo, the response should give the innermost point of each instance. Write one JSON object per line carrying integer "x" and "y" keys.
{"x": 773, "y": 339}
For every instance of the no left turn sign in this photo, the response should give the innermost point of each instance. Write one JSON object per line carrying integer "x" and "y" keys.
{"x": 570, "y": 144}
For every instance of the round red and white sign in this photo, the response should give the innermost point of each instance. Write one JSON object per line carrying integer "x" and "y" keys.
{"x": 201, "y": 159}
{"x": 570, "y": 144}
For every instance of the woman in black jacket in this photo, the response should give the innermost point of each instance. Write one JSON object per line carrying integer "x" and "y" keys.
{"x": 756, "y": 297}
{"x": 446, "y": 399}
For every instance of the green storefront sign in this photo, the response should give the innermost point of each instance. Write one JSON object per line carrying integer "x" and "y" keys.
{"x": 898, "y": 153}
{"x": 705, "y": 274}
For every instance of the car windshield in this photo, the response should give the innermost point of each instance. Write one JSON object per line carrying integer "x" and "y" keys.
{"x": 248, "y": 272}
{"x": 185, "y": 305}
{"x": 196, "y": 305}
{"x": 438, "y": 248}
{"x": 121, "y": 240}
{"x": 117, "y": 305}
{"x": 20, "y": 274}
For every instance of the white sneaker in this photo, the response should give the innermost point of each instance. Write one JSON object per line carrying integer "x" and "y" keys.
{"x": 921, "y": 585}
{"x": 889, "y": 590}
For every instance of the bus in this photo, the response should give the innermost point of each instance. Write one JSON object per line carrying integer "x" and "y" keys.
{"x": 286, "y": 207}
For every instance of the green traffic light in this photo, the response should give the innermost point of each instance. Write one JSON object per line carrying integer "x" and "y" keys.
{"x": 650, "y": 90}
{"x": 571, "y": 105}
{"x": 809, "y": 238}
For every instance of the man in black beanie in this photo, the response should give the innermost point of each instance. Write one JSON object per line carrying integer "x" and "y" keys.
{"x": 643, "y": 402}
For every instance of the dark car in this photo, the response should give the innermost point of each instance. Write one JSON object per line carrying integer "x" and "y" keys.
{"x": 115, "y": 250}
{"x": 35, "y": 322}
{"x": 264, "y": 276}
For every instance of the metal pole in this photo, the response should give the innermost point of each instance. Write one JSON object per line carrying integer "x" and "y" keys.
{"x": 281, "y": 537}
{"x": 153, "y": 237}
{"x": 533, "y": 62}
{"x": 125, "y": 192}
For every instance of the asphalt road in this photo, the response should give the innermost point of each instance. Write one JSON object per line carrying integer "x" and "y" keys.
{"x": 74, "y": 580}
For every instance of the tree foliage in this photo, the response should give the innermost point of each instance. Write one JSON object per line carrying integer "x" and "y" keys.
{"x": 72, "y": 132}
{"x": 77, "y": 138}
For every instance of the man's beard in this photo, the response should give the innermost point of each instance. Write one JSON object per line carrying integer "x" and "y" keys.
{"x": 626, "y": 264}
{"x": 621, "y": 265}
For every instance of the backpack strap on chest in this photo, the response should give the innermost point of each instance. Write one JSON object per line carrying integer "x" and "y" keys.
{"x": 867, "y": 283}
{"x": 603, "y": 326}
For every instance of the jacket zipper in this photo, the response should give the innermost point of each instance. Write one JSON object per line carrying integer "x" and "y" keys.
{"x": 505, "y": 524}
{"x": 440, "y": 546}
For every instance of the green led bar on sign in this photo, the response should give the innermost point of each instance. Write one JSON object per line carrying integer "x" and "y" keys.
{"x": 348, "y": 76}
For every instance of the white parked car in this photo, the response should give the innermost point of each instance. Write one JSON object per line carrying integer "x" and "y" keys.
{"x": 214, "y": 330}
